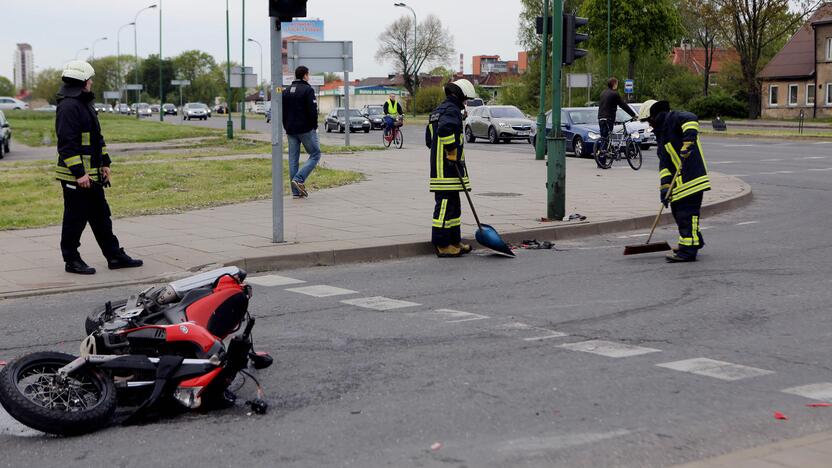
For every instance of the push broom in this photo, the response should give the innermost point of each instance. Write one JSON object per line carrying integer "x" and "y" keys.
{"x": 647, "y": 247}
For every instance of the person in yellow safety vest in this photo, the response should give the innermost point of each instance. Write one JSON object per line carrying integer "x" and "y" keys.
{"x": 680, "y": 155}
{"x": 392, "y": 111}
{"x": 445, "y": 139}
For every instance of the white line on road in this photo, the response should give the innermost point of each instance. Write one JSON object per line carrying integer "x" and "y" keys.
{"x": 813, "y": 157}
{"x": 458, "y": 316}
{"x": 746, "y": 223}
{"x": 784, "y": 172}
{"x": 771, "y": 160}
{"x": 725, "y": 162}
{"x": 553, "y": 334}
{"x": 822, "y": 142}
{"x": 716, "y": 369}
{"x": 272, "y": 280}
{"x": 819, "y": 391}
{"x": 322, "y": 290}
{"x": 379, "y": 303}
{"x": 739, "y": 175}
{"x": 821, "y": 170}
{"x": 738, "y": 146}
{"x": 608, "y": 348}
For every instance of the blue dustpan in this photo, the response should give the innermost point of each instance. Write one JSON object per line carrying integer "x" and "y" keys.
{"x": 486, "y": 235}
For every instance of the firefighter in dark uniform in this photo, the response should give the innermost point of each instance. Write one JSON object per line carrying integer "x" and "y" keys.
{"x": 444, "y": 137}
{"x": 83, "y": 169}
{"x": 677, "y": 135}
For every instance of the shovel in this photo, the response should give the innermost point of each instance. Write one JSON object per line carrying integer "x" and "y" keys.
{"x": 647, "y": 247}
{"x": 486, "y": 235}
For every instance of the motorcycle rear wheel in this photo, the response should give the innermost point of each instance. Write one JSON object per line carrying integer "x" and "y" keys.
{"x": 31, "y": 392}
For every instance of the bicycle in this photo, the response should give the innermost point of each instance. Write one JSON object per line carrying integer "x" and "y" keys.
{"x": 397, "y": 138}
{"x": 619, "y": 145}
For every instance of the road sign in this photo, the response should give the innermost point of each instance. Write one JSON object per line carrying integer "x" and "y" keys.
{"x": 579, "y": 80}
{"x": 320, "y": 56}
{"x": 241, "y": 70}
{"x": 180, "y": 82}
{"x": 132, "y": 87}
{"x": 112, "y": 95}
{"x": 628, "y": 86}
{"x": 314, "y": 80}
{"x": 249, "y": 82}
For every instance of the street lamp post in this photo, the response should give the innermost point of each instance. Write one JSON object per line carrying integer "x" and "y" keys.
{"x": 136, "y": 53}
{"x": 415, "y": 51}
{"x": 118, "y": 55}
{"x": 79, "y": 51}
{"x": 229, "y": 127}
{"x": 92, "y": 49}
{"x": 161, "y": 89}
{"x": 243, "y": 65}
{"x": 262, "y": 74}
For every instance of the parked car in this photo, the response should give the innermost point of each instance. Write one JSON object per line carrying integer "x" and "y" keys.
{"x": 144, "y": 110}
{"x": 10, "y": 103}
{"x": 219, "y": 109}
{"x": 123, "y": 109}
{"x": 195, "y": 110}
{"x": 170, "y": 109}
{"x": 108, "y": 108}
{"x": 155, "y": 108}
{"x": 336, "y": 120}
{"x": 579, "y": 126}
{"x": 5, "y": 135}
{"x": 476, "y": 102}
{"x": 46, "y": 108}
{"x": 497, "y": 123}
{"x": 648, "y": 138}
{"x": 133, "y": 109}
{"x": 99, "y": 107}
{"x": 375, "y": 114}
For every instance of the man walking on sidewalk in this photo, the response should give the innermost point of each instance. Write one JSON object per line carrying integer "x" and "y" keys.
{"x": 679, "y": 151}
{"x": 443, "y": 136}
{"x": 300, "y": 120}
{"x": 83, "y": 168}
{"x": 608, "y": 106}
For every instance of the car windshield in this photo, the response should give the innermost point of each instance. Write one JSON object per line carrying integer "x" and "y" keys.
{"x": 353, "y": 113}
{"x": 168, "y": 106}
{"x": 584, "y": 116}
{"x": 622, "y": 116}
{"x": 506, "y": 113}
{"x": 375, "y": 111}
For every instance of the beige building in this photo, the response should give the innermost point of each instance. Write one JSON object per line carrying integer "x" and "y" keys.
{"x": 799, "y": 77}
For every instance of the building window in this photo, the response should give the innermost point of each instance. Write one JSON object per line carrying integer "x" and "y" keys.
{"x": 829, "y": 48}
{"x": 772, "y": 95}
{"x": 793, "y": 94}
{"x": 810, "y": 94}
{"x": 829, "y": 94}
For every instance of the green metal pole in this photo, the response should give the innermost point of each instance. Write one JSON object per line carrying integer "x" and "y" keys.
{"x": 161, "y": 89}
{"x": 415, "y": 50}
{"x": 556, "y": 165}
{"x": 540, "y": 143}
{"x": 609, "y": 56}
{"x": 243, "y": 113}
{"x": 229, "y": 128}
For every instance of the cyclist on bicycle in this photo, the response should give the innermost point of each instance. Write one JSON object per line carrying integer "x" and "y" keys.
{"x": 608, "y": 105}
{"x": 392, "y": 112}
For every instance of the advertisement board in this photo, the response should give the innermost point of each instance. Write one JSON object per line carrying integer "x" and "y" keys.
{"x": 312, "y": 29}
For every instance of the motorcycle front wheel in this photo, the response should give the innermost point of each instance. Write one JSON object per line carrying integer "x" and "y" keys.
{"x": 34, "y": 394}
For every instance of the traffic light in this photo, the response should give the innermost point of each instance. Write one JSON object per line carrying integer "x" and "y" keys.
{"x": 571, "y": 38}
{"x": 285, "y": 10}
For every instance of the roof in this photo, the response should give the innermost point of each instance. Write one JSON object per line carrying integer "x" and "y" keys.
{"x": 797, "y": 58}
{"x": 694, "y": 58}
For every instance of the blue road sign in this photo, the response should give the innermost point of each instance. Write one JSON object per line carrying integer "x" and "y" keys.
{"x": 628, "y": 86}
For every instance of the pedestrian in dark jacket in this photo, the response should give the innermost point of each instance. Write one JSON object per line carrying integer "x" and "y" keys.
{"x": 83, "y": 168}
{"x": 300, "y": 120}
{"x": 608, "y": 106}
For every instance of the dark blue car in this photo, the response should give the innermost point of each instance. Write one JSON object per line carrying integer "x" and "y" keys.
{"x": 579, "y": 126}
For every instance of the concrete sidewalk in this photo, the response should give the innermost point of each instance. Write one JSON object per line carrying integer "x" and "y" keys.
{"x": 814, "y": 451}
{"x": 386, "y": 216}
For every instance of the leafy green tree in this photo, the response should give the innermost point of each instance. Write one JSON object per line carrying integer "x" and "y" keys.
{"x": 47, "y": 84}
{"x": 6, "y": 87}
{"x": 207, "y": 80}
{"x": 149, "y": 73}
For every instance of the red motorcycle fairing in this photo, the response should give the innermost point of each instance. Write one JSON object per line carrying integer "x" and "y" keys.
{"x": 183, "y": 332}
{"x": 202, "y": 380}
{"x": 222, "y": 311}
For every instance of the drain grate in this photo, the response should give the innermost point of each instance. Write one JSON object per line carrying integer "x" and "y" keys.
{"x": 500, "y": 194}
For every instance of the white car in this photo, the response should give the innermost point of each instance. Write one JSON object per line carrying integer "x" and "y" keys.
{"x": 195, "y": 110}
{"x": 10, "y": 103}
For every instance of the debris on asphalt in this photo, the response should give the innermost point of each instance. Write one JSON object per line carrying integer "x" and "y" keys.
{"x": 435, "y": 446}
{"x": 574, "y": 216}
{"x": 781, "y": 416}
{"x": 819, "y": 405}
{"x": 355, "y": 412}
{"x": 533, "y": 244}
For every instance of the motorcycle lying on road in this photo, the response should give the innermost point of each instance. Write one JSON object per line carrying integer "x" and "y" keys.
{"x": 164, "y": 344}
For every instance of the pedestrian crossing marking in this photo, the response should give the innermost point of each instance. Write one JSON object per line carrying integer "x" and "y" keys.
{"x": 717, "y": 369}
{"x": 553, "y": 334}
{"x": 746, "y": 223}
{"x": 272, "y": 280}
{"x": 322, "y": 290}
{"x": 818, "y": 391}
{"x": 379, "y": 303}
{"x": 457, "y": 316}
{"x": 608, "y": 348}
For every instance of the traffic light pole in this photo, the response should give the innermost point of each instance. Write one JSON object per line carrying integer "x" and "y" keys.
{"x": 277, "y": 130}
{"x": 556, "y": 164}
{"x": 540, "y": 142}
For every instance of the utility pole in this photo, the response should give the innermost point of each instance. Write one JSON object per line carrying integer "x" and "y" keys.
{"x": 276, "y": 54}
{"x": 556, "y": 164}
{"x": 243, "y": 65}
{"x": 609, "y": 57}
{"x": 540, "y": 141}
{"x": 229, "y": 127}
{"x": 161, "y": 89}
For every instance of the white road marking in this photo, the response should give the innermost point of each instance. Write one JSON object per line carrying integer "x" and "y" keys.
{"x": 746, "y": 223}
{"x": 769, "y": 173}
{"x": 379, "y": 303}
{"x": 785, "y": 172}
{"x": 724, "y": 162}
{"x": 739, "y": 146}
{"x": 821, "y": 170}
{"x": 272, "y": 280}
{"x": 822, "y": 142}
{"x": 457, "y": 316}
{"x": 704, "y": 228}
{"x": 608, "y": 348}
{"x": 771, "y": 160}
{"x": 813, "y": 157}
{"x": 717, "y": 369}
{"x": 322, "y": 290}
{"x": 738, "y": 175}
{"x": 553, "y": 334}
{"x": 819, "y": 391}
{"x": 515, "y": 326}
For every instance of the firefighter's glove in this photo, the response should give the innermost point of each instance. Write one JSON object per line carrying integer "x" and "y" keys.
{"x": 663, "y": 197}
{"x": 450, "y": 155}
{"x": 686, "y": 149}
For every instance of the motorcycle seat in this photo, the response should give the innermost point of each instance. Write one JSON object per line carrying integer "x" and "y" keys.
{"x": 176, "y": 313}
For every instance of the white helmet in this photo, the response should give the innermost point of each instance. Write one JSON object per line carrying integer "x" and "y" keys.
{"x": 78, "y": 70}
{"x": 644, "y": 112}
{"x": 467, "y": 88}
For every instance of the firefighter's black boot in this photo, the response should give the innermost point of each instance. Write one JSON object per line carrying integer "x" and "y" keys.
{"x": 79, "y": 267}
{"x": 122, "y": 260}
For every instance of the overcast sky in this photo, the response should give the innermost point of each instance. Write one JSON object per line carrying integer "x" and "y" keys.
{"x": 57, "y": 29}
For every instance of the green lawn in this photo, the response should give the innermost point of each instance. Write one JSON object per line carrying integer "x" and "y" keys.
{"x": 38, "y": 129}
{"x": 769, "y": 133}
{"x": 32, "y": 198}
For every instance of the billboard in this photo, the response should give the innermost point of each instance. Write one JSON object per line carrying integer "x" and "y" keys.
{"x": 312, "y": 29}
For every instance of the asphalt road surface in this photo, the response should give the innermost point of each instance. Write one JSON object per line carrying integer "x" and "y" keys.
{"x": 574, "y": 357}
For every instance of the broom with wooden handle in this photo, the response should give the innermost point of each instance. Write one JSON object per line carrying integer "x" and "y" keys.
{"x": 647, "y": 247}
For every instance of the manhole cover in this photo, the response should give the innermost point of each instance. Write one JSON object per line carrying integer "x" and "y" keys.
{"x": 500, "y": 194}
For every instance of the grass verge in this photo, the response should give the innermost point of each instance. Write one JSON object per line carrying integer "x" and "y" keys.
{"x": 38, "y": 129}
{"x": 32, "y": 198}
{"x": 769, "y": 133}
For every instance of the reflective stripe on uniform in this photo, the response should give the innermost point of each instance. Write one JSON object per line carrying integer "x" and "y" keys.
{"x": 85, "y": 138}
{"x": 664, "y": 173}
{"x": 692, "y": 125}
{"x": 674, "y": 156}
{"x": 441, "y": 185}
{"x": 440, "y": 221}
{"x": 450, "y": 223}
{"x": 694, "y": 230}
{"x": 72, "y": 161}
{"x": 447, "y": 140}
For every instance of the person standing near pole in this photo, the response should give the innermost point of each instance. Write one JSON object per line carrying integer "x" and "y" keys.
{"x": 444, "y": 137}
{"x": 300, "y": 120}
{"x": 608, "y": 106}
{"x": 83, "y": 168}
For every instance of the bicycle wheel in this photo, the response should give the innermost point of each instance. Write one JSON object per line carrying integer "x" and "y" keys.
{"x": 384, "y": 138}
{"x": 634, "y": 155}
{"x": 398, "y": 138}
{"x": 603, "y": 157}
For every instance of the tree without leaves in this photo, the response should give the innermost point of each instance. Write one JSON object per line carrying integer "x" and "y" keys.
{"x": 396, "y": 44}
{"x": 700, "y": 18}
{"x": 751, "y": 27}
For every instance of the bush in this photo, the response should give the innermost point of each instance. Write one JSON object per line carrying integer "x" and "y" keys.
{"x": 717, "y": 105}
{"x": 427, "y": 99}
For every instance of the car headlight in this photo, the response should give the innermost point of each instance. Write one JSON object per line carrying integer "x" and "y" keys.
{"x": 593, "y": 136}
{"x": 367, "y": 122}
{"x": 650, "y": 129}
{"x": 502, "y": 124}
{"x": 634, "y": 135}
